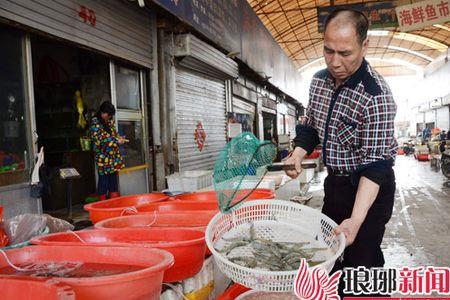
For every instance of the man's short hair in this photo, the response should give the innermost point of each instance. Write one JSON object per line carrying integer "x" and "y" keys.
{"x": 359, "y": 20}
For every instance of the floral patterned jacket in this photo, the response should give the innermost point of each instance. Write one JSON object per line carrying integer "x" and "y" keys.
{"x": 106, "y": 147}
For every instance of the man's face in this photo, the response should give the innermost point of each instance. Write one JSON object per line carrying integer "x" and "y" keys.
{"x": 342, "y": 51}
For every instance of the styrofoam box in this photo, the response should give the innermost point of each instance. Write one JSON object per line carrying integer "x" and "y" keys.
{"x": 250, "y": 182}
{"x": 189, "y": 181}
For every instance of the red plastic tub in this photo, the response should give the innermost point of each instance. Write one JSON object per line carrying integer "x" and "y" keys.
{"x": 193, "y": 220}
{"x": 122, "y": 205}
{"x": 138, "y": 271}
{"x": 233, "y": 292}
{"x": 210, "y": 196}
{"x": 315, "y": 154}
{"x": 186, "y": 245}
{"x": 46, "y": 289}
{"x": 422, "y": 157}
{"x": 180, "y": 207}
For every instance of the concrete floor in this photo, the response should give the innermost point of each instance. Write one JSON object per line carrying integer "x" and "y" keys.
{"x": 418, "y": 233}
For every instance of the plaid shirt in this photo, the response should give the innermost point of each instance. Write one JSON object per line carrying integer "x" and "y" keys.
{"x": 354, "y": 122}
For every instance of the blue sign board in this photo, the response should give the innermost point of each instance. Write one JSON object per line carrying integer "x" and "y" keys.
{"x": 234, "y": 26}
{"x": 380, "y": 14}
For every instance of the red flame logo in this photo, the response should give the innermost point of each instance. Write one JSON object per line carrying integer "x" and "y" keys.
{"x": 316, "y": 284}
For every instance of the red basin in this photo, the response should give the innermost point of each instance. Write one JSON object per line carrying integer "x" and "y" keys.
{"x": 180, "y": 207}
{"x": 143, "y": 281}
{"x": 122, "y": 205}
{"x": 195, "y": 220}
{"x": 210, "y": 196}
{"x": 187, "y": 246}
{"x": 48, "y": 289}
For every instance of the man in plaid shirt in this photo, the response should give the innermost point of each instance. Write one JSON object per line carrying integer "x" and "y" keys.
{"x": 351, "y": 114}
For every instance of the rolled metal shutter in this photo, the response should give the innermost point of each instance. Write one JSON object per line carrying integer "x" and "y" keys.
{"x": 243, "y": 107}
{"x": 120, "y": 28}
{"x": 199, "y": 98}
{"x": 430, "y": 116}
{"x": 442, "y": 118}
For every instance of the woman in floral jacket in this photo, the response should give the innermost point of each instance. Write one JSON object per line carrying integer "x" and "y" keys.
{"x": 105, "y": 142}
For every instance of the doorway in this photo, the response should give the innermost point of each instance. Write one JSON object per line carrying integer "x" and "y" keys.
{"x": 69, "y": 85}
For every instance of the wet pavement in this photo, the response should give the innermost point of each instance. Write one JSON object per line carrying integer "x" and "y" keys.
{"x": 418, "y": 233}
{"x": 419, "y": 230}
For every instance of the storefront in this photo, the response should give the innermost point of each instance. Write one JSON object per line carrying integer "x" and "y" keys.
{"x": 62, "y": 62}
{"x": 268, "y": 117}
{"x": 287, "y": 119}
{"x": 244, "y": 104}
{"x": 201, "y": 93}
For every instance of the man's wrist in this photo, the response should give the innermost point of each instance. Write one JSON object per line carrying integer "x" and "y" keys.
{"x": 358, "y": 219}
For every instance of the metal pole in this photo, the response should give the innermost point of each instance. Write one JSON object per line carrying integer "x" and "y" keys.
{"x": 165, "y": 82}
{"x": 163, "y": 98}
{"x": 69, "y": 198}
{"x": 158, "y": 171}
{"x": 30, "y": 97}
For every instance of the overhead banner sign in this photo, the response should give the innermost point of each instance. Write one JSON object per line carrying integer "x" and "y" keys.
{"x": 422, "y": 14}
{"x": 380, "y": 14}
{"x": 233, "y": 25}
{"x": 218, "y": 20}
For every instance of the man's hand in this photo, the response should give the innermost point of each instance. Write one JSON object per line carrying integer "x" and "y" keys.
{"x": 295, "y": 159}
{"x": 350, "y": 228}
{"x": 365, "y": 196}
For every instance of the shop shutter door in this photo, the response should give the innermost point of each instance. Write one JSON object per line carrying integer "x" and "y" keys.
{"x": 243, "y": 107}
{"x": 442, "y": 118}
{"x": 430, "y": 116}
{"x": 121, "y": 28}
{"x": 199, "y": 98}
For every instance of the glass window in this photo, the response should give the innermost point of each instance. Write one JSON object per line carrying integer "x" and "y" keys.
{"x": 131, "y": 151}
{"x": 281, "y": 124}
{"x": 127, "y": 88}
{"x": 291, "y": 126}
{"x": 13, "y": 141}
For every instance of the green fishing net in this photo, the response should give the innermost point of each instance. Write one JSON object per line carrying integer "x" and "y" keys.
{"x": 240, "y": 167}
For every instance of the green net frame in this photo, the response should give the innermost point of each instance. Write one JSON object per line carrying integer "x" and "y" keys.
{"x": 239, "y": 169}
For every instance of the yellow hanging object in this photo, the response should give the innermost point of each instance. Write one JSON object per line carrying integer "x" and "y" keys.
{"x": 202, "y": 294}
{"x": 80, "y": 108}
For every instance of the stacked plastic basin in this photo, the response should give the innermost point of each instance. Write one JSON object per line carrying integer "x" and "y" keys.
{"x": 185, "y": 207}
{"x": 120, "y": 206}
{"x": 186, "y": 211}
{"x": 185, "y": 245}
{"x": 100, "y": 273}
{"x": 48, "y": 289}
{"x": 192, "y": 210}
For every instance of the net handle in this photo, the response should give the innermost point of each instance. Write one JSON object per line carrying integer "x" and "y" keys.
{"x": 283, "y": 167}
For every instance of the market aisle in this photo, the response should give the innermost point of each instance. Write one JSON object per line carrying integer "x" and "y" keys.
{"x": 418, "y": 232}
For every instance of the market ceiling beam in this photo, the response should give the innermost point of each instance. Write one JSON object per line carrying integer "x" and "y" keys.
{"x": 298, "y": 9}
{"x": 387, "y": 62}
{"x": 293, "y": 24}
{"x": 294, "y": 28}
{"x": 418, "y": 39}
{"x": 391, "y": 50}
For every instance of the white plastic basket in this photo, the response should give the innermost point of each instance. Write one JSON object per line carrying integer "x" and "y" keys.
{"x": 189, "y": 181}
{"x": 250, "y": 295}
{"x": 278, "y": 221}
